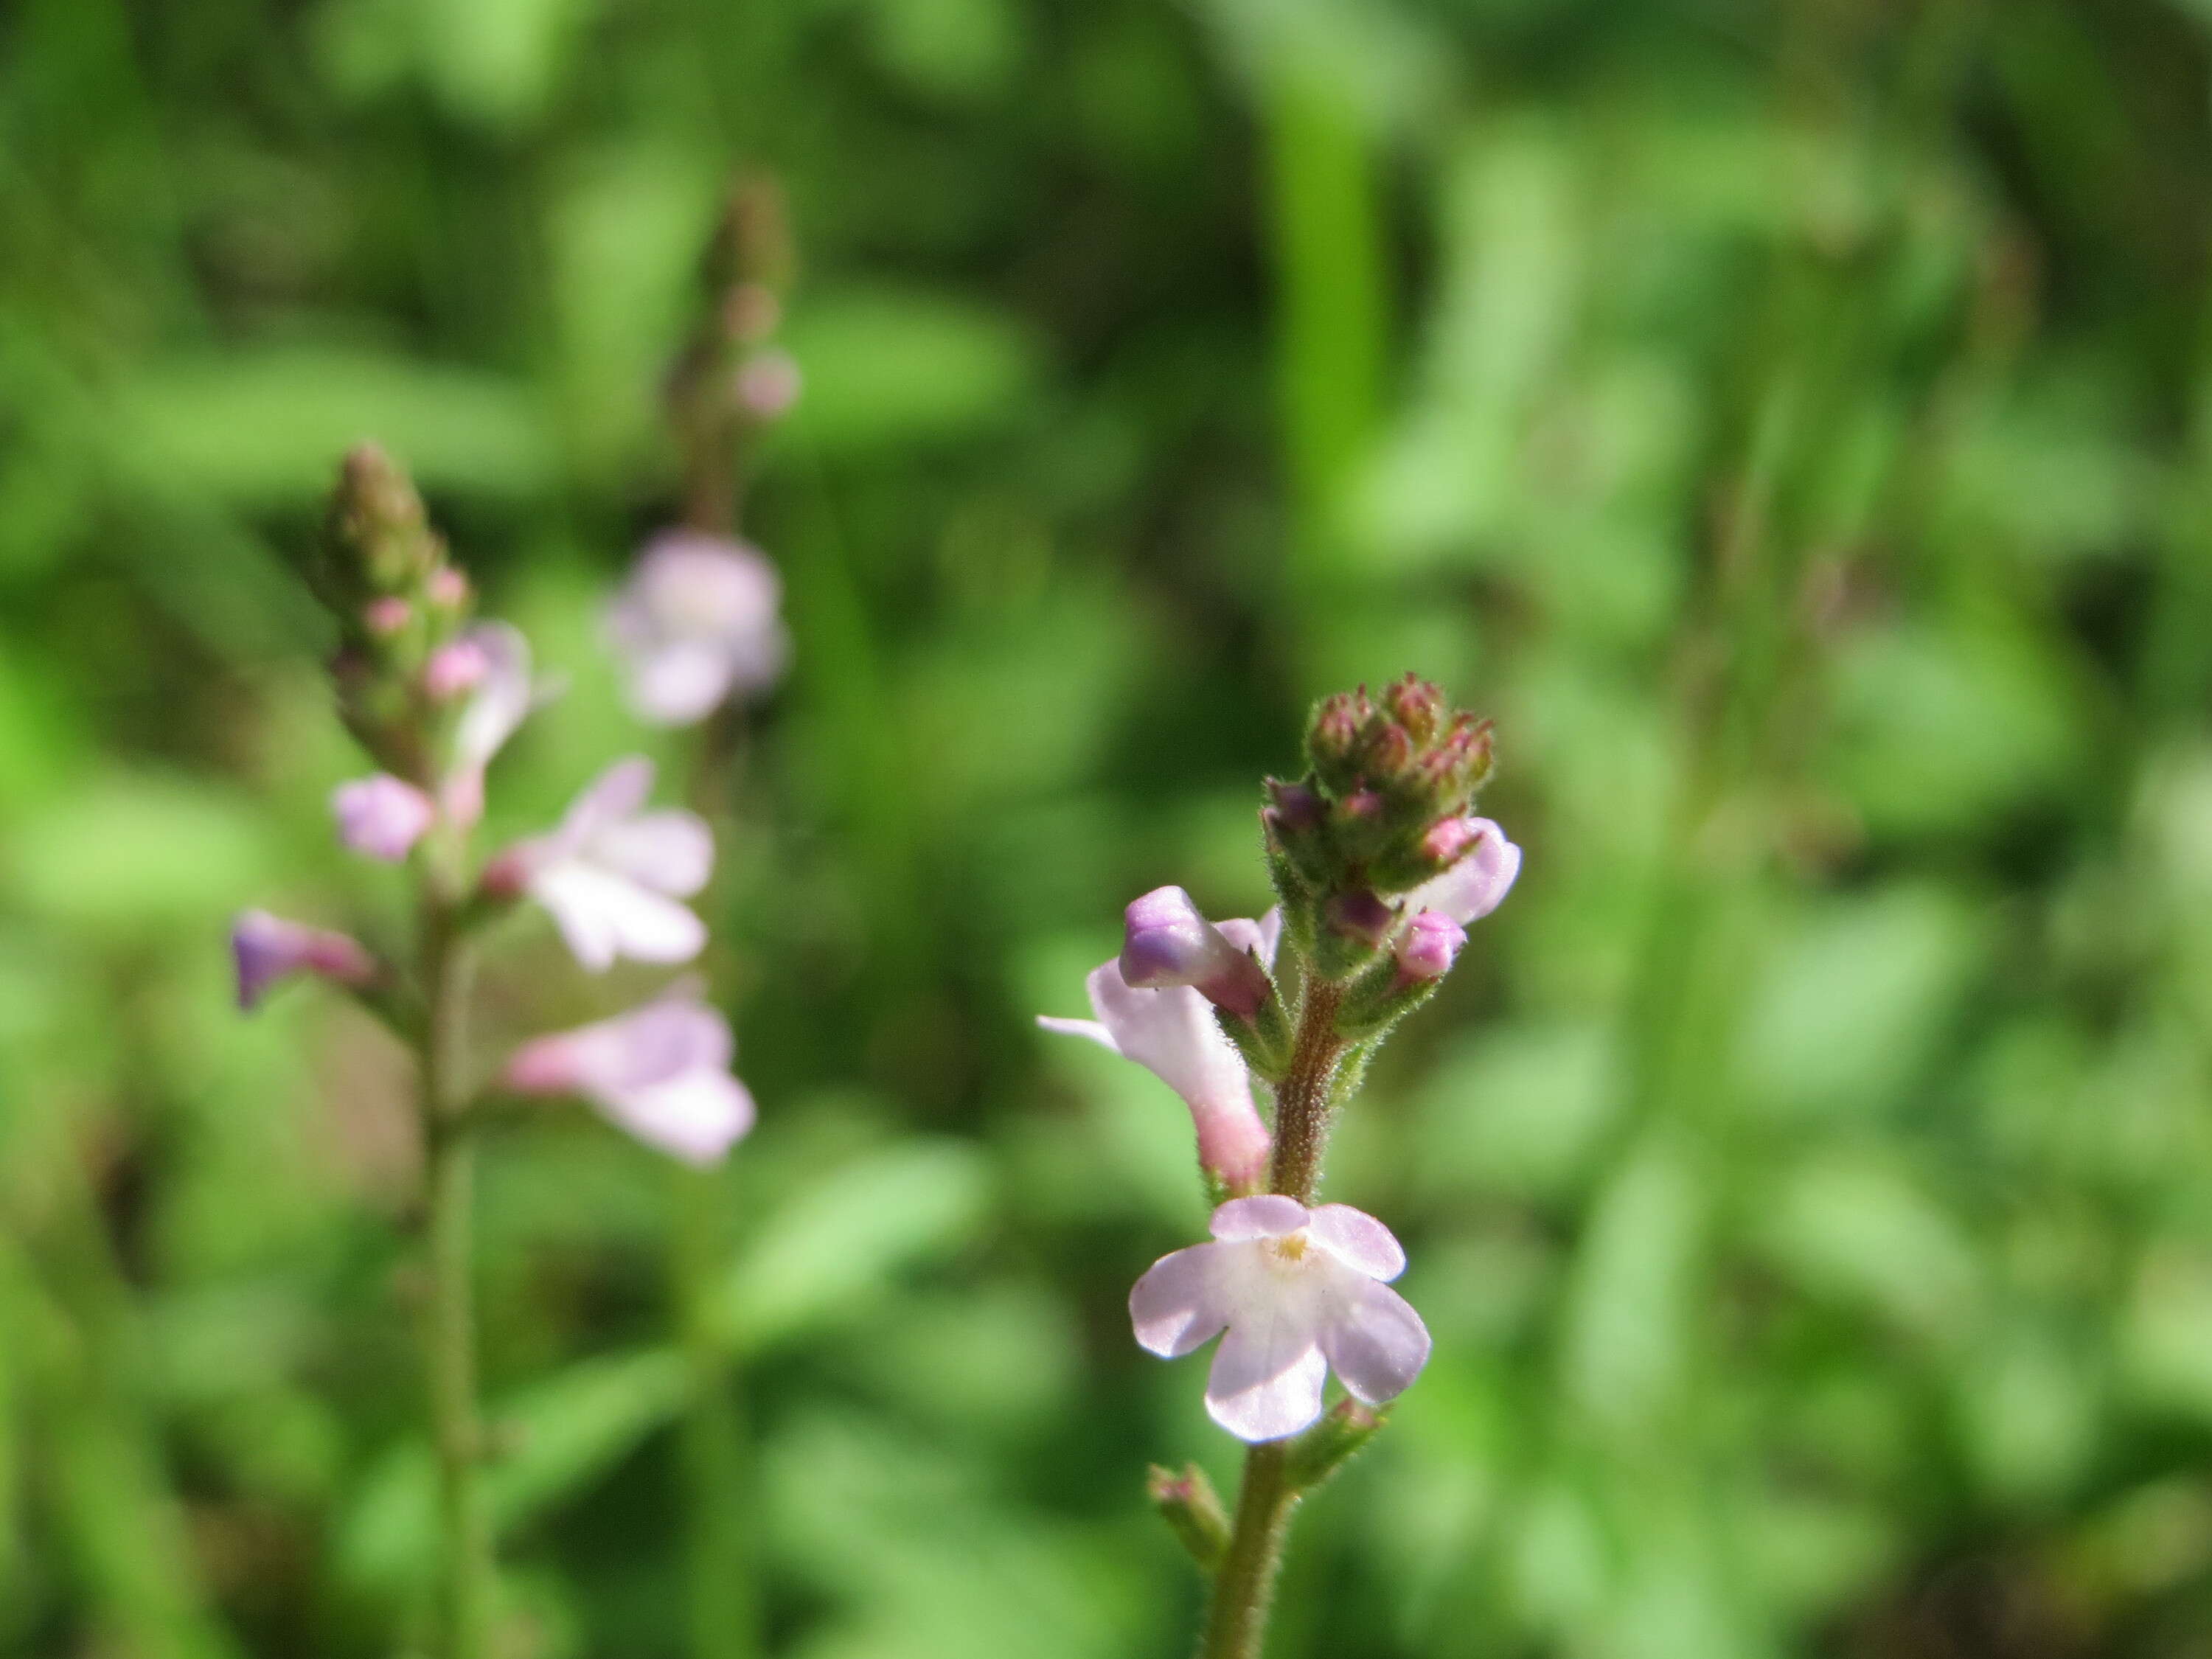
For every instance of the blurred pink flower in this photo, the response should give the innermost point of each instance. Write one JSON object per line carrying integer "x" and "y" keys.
{"x": 660, "y": 1072}
{"x": 504, "y": 694}
{"x": 268, "y": 949}
{"x": 610, "y": 873}
{"x": 696, "y": 623}
{"x": 1300, "y": 1292}
{"x": 1171, "y": 1032}
{"x": 382, "y": 817}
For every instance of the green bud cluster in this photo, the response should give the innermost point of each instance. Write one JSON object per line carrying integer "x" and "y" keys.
{"x": 398, "y": 599}
{"x": 1376, "y": 814}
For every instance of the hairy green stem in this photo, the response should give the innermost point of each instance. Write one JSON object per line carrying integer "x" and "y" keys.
{"x": 1244, "y": 1583}
{"x": 465, "y": 1567}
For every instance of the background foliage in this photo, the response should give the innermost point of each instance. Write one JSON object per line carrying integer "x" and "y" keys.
{"x": 1790, "y": 420}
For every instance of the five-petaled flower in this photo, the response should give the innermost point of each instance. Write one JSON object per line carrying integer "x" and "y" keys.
{"x": 610, "y": 874}
{"x": 1171, "y": 1030}
{"x": 1301, "y": 1292}
{"x": 697, "y": 623}
{"x": 661, "y": 1073}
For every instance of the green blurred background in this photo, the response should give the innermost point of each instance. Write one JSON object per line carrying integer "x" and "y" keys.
{"x": 1793, "y": 422}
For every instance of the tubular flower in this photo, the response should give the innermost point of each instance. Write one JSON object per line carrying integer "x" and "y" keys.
{"x": 501, "y": 693}
{"x": 1478, "y": 884}
{"x": 696, "y": 622}
{"x": 1167, "y": 941}
{"x": 1171, "y": 1032}
{"x": 660, "y": 1073}
{"x": 1301, "y": 1292}
{"x": 610, "y": 873}
{"x": 382, "y": 817}
{"x": 268, "y": 949}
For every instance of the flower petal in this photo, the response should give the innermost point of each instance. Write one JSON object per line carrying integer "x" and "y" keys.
{"x": 1171, "y": 1032}
{"x": 679, "y": 681}
{"x": 1182, "y": 1302}
{"x": 1478, "y": 884}
{"x": 1375, "y": 1342}
{"x": 602, "y": 916}
{"x": 671, "y": 852}
{"x": 613, "y": 795}
{"x": 1080, "y": 1028}
{"x": 1263, "y": 935}
{"x": 1267, "y": 1376}
{"x": 1268, "y": 1215}
{"x": 1358, "y": 1240}
{"x": 695, "y": 1116}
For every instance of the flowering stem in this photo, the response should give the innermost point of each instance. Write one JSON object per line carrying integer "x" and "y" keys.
{"x": 1244, "y": 1584}
{"x": 724, "y": 1615}
{"x": 464, "y": 1591}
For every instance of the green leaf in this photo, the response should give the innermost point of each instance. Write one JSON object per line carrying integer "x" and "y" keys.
{"x": 550, "y": 1442}
{"x": 841, "y": 1244}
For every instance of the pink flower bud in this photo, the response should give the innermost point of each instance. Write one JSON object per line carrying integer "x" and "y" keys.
{"x": 385, "y": 617}
{"x": 1428, "y": 946}
{"x": 1166, "y": 941}
{"x": 382, "y": 817}
{"x": 1447, "y": 838}
{"x": 268, "y": 949}
{"x": 457, "y": 666}
{"x": 448, "y": 588}
{"x": 767, "y": 385}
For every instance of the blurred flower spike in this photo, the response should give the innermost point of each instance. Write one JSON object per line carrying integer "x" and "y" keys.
{"x": 1300, "y": 1292}
{"x": 610, "y": 873}
{"x": 697, "y": 623}
{"x": 660, "y": 1072}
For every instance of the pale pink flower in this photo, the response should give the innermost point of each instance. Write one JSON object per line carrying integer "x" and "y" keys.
{"x": 1301, "y": 1292}
{"x": 696, "y": 623}
{"x": 610, "y": 873}
{"x": 386, "y": 615}
{"x": 660, "y": 1072}
{"x": 1167, "y": 941}
{"x": 502, "y": 697}
{"x": 382, "y": 817}
{"x": 1172, "y": 1033}
{"x": 268, "y": 949}
{"x": 1478, "y": 884}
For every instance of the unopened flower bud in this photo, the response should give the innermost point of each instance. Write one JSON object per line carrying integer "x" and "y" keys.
{"x": 1360, "y": 915}
{"x": 382, "y": 817}
{"x": 268, "y": 949}
{"x": 1292, "y": 808}
{"x": 448, "y": 588}
{"x": 1192, "y": 1509}
{"x": 1167, "y": 941}
{"x": 457, "y": 667}
{"x": 768, "y": 384}
{"x": 1429, "y": 945}
{"x": 386, "y": 615}
{"x": 377, "y": 521}
{"x": 1447, "y": 838}
{"x": 1417, "y": 705}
